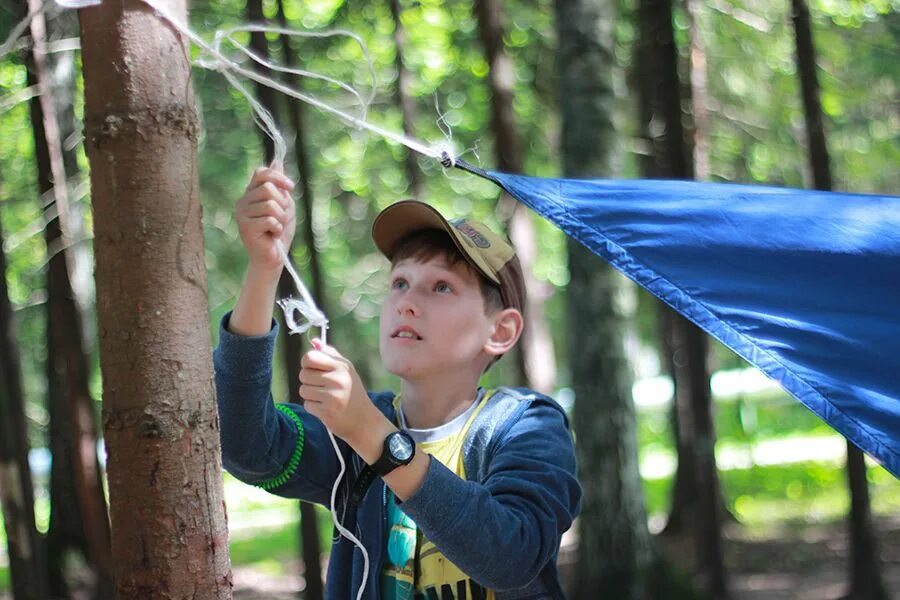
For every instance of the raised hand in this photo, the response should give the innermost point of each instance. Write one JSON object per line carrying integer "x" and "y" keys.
{"x": 266, "y": 213}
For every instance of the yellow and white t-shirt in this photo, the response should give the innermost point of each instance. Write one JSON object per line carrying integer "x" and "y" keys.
{"x": 414, "y": 567}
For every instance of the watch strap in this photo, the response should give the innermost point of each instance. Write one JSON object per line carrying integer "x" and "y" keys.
{"x": 362, "y": 483}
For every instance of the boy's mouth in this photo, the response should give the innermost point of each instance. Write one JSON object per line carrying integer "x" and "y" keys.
{"x": 406, "y": 333}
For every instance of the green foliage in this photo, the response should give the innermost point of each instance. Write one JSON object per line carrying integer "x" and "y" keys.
{"x": 756, "y": 136}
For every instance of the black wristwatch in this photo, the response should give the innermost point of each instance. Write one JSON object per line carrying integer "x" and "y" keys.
{"x": 399, "y": 449}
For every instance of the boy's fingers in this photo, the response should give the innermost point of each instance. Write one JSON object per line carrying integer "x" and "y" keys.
{"x": 260, "y": 226}
{"x": 314, "y": 377}
{"x": 318, "y": 360}
{"x": 265, "y": 192}
{"x": 312, "y": 394}
{"x": 268, "y": 208}
{"x": 269, "y": 175}
{"x": 327, "y": 349}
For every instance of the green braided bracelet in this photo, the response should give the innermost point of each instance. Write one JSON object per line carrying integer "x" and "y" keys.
{"x": 291, "y": 467}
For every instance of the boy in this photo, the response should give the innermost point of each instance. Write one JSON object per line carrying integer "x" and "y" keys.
{"x": 455, "y": 491}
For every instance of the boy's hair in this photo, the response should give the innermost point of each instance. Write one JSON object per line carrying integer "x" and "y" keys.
{"x": 425, "y": 244}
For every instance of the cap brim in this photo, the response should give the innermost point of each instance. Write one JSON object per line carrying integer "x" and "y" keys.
{"x": 408, "y": 216}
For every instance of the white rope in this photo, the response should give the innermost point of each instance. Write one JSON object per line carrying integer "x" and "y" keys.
{"x": 337, "y": 522}
{"x": 305, "y": 305}
{"x": 224, "y": 63}
{"x": 228, "y": 34}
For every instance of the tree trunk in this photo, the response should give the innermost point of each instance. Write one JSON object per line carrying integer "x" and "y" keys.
{"x": 405, "y": 101}
{"x": 866, "y": 581}
{"x": 24, "y": 544}
{"x": 615, "y": 551}
{"x": 698, "y": 92}
{"x": 819, "y": 161}
{"x": 684, "y": 492}
{"x": 169, "y": 532}
{"x": 660, "y": 102}
{"x": 75, "y": 465}
{"x": 537, "y": 364}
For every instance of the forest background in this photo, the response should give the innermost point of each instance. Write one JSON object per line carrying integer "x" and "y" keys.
{"x": 439, "y": 67}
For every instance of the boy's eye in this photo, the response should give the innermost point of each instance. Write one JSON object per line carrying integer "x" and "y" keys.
{"x": 398, "y": 284}
{"x": 442, "y": 287}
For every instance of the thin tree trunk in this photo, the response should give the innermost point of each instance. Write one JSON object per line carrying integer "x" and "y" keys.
{"x": 615, "y": 549}
{"x": 866, "y": 581}
{"x": 309, "y": 532}
{"x": 66, "y": 531}
{"x": 819, "y": 160}
{"x": 537, "y": 364}
{"x": 24, "y": 544}
{"x": 660, "y": 102}
{"x": 169, "y": 531}
{"x": 699, "y": 92}
{"x": 683, "y": 499}
{"x": 405, "y": 101}
{"x": 67, "y": 364}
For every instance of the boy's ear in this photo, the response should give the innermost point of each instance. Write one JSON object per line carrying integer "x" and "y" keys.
{"x": 508, "y": 325}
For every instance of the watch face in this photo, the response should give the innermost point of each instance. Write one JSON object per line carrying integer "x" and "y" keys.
{"x": 400, "y": 446}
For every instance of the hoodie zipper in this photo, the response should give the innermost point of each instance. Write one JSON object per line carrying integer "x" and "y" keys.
{"x": 384, "y": 534}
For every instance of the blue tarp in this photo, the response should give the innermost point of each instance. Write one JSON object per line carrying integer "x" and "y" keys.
{"x": 804, "y": 285}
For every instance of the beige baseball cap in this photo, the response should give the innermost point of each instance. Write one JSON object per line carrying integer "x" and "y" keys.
{"x": 488, "y": 252}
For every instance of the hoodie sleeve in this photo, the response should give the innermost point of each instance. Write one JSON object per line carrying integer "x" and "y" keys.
{"x": 280, "y": 448}
{"x": 503, "y": 531}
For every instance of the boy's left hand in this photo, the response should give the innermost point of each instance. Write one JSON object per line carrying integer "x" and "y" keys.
{"x": 334, "y": 392}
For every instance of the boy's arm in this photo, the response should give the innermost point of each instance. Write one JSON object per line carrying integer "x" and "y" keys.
{"x": 261, "y": 444}
{"x": 284, "y": 450}
{"x": 265, "y": 215}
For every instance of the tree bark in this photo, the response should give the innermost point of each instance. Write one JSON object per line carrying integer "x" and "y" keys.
{"x": 537, "y": 364}
{"x": 819, "y": 161}
{"x": 405, "y": 101}
{"x": 76, "y": 468}
{"x": 169, "y": 532}
{"x": 615, "y": 551}
{"x": 24, "y": 544}
{"x": 866, "y": 581}
{"x": 661, "y": 125}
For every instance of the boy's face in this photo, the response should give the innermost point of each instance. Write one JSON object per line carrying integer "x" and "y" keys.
{"x": 433, "y": 319}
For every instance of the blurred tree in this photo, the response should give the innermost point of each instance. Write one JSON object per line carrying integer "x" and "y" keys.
{"x": 615, "y": 550}
{"x": 78, "y": 517}
{"x": 27, "y": 559}
{"x": 696, "y": 499}
{"x": 310, "y": 549}
{"x": 405, "y": 102}
{"x": 699, "y": 95}
{"x": 536, "y": 361}
{"x": 169, "y": 533}
{"x": 866, "y": 581}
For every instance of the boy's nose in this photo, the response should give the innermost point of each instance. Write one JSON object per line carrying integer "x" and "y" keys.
{"x": 407, "y": 307}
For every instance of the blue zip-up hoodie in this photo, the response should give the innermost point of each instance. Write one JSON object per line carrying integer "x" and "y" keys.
{"x": 502, "y": 525}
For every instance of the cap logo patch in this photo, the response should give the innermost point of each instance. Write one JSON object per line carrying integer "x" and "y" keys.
{"x": 470, "y": 232}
